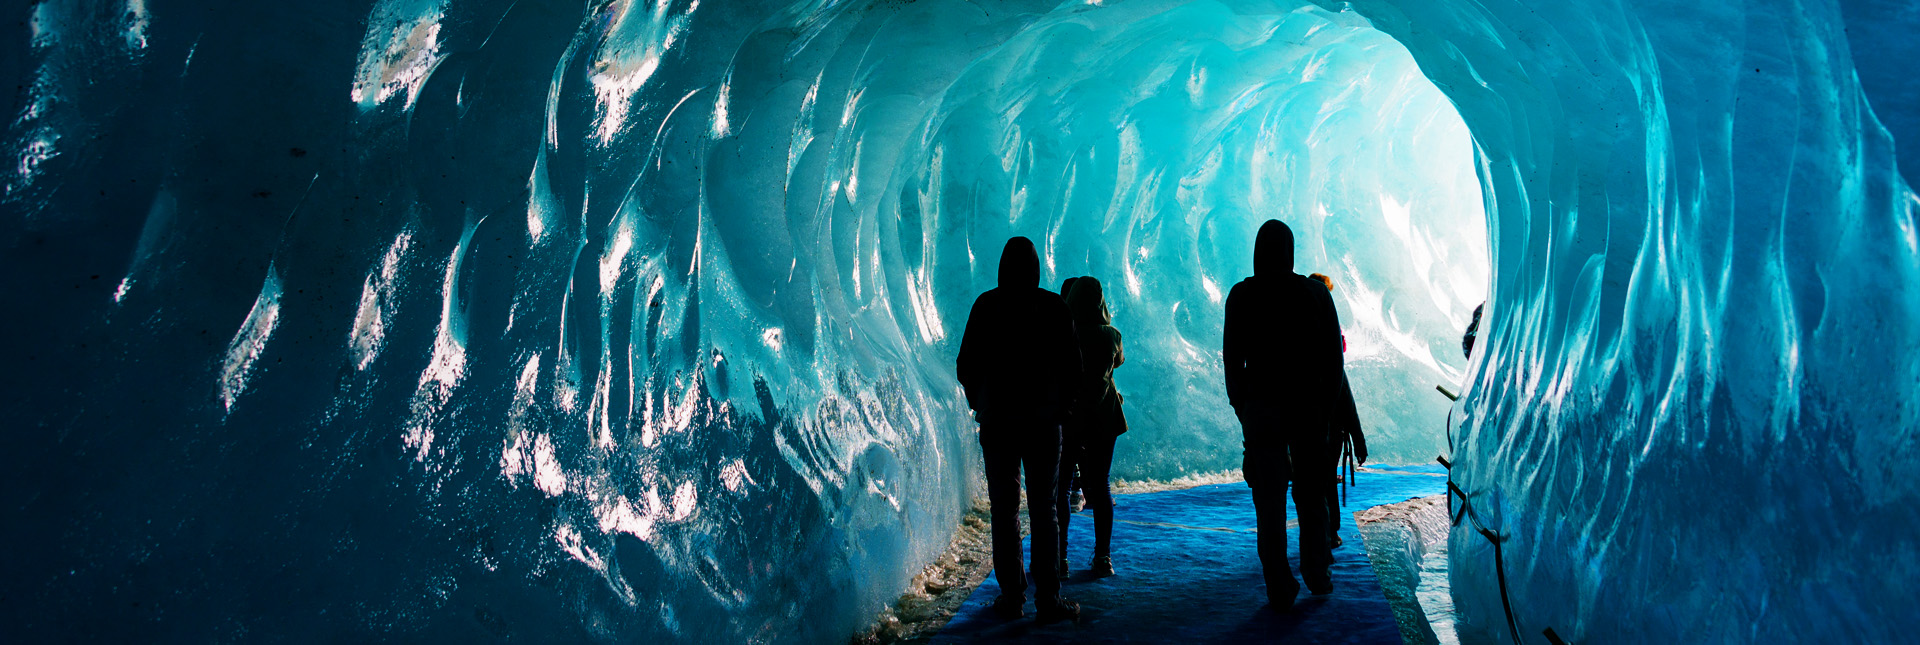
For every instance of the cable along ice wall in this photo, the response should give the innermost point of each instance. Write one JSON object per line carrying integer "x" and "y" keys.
{"x": 1694, "y": 416}
{"x": 484, "y": 318}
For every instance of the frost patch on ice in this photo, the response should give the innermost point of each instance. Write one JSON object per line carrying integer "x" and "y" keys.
{"x": 449, "y": 363}
{"x": 684, "y": 499}
{"x": 400, "y": 50}
{"x": 569, "y": 540}
{"x": 734, "y": 476}
{"x": 878, "y": 486}
{"x": 636, "y": 40}
{"x": 547, "y": 475}
{"x": 250, "y": 341}
{"x": 375, "y": 312}
{"x": 542, "y": 205}
{"x": 676, "y": 418}
{"x": 620, "y": 516}
{"x": 138, "y": 19}
{"x": 516, "y": 459}
{"x": 720, "y": 125}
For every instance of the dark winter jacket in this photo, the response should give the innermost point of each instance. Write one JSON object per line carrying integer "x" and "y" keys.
{"x": 1096, "y": 410}
{"x": 1019, "y": 360}
{"x": 1282, "y": 343}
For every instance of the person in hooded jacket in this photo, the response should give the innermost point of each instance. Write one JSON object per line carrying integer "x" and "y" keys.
{"x": 1097, "y": 422}
{"x": 1281, "y": 347}
{"x": 1019, "y": 363}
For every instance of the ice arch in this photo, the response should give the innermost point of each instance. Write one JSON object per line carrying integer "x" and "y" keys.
{"x": 480, "y": 317}
{"x": 1144, "y": 145}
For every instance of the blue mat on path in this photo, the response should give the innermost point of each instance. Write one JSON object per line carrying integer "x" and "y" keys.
{"x": 1186, "y": 571}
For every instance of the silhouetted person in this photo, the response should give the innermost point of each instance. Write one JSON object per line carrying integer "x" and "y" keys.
{"x": 1346, "y": 436}
{"x": 1283, "y": 368}
{"x": 1097, "y": 421}
{"x": 1019, "y": 363}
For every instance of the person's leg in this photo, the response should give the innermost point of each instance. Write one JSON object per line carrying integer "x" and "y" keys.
{"x": 1069, "y": 460}
{"x": 1266, "y": 473}
{"x": 1003, "y": 504}
{"x": 1095, "y": 466}
{"x": 1042, "y": 460}
{"x": 1310, "y": 481}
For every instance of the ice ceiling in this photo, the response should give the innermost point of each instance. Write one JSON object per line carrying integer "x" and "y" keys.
{"x": 462, "y": 319}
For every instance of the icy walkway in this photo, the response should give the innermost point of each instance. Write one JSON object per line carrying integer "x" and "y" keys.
{"x": 1187, "y": 572}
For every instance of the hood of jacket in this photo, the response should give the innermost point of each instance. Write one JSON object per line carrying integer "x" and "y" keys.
{"x": 1272, "y": 251}
{"x": 1019, "y": 264}
{"x": 1088, "y": 303}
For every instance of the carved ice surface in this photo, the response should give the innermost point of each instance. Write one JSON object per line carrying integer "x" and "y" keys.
{"x": 467, "y": 319}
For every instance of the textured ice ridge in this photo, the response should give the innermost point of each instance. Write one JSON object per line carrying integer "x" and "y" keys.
{"x": 483, "y": 318}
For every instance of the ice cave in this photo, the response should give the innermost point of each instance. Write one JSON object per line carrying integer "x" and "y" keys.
{"x": 623, "y": 321}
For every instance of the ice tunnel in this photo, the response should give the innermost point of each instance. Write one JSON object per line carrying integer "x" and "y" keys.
{"x": 611, "y": 320}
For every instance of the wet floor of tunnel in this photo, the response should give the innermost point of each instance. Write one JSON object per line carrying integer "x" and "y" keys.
{"x": 1187, "y": 572}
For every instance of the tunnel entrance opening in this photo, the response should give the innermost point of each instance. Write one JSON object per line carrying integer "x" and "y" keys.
{"x": 1144, "y": 144}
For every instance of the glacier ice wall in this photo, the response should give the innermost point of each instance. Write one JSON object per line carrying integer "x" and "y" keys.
{"x": 481, "y": 318}
{"x": 626, "y": 319}
{"x": 1694, "y": 419}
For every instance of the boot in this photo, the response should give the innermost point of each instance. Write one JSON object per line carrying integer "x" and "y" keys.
{"x": 1102, "y": 566}
{"x": 1066, "y": 610}
{"x": 1281, "y": 599}
{"x": 1010, "y": 607}
{"x": 1319, "y": 583}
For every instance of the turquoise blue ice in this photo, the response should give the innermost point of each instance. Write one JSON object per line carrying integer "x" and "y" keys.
{"x": 617, "y": 320}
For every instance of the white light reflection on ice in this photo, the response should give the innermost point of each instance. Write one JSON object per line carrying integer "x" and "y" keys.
{"x": 449, "y": 363}
{"x": 370, "y": 318}
{"x": 631, "y": 52}
{"x": 400, "y": 50}
{"x": 734, "y": 476}
{"x": 250, "y": 341}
